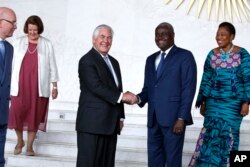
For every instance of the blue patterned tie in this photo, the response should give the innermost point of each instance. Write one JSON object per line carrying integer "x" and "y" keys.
{"x": 159, "y": 67}
{"x": 2, "y": 49}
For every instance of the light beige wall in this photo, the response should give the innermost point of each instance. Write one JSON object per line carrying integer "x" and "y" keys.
{"x": 69, "y": 24}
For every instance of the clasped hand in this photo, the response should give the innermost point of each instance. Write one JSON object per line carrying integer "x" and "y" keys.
{"x": 129, "y": 98}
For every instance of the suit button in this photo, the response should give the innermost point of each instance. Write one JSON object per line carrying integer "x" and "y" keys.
{"x": 155, "y": 86}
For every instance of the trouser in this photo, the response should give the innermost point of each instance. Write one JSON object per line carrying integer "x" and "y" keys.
{"x": 96, "y": 150}
{"x": 3, "y": 131}
{"x": 164, "y": 147}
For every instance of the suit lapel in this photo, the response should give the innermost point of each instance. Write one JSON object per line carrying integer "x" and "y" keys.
{"x": 167, "y": 61}
{"x": 116, "y": 70}
{"x": 2, "y": 67}
{"x": 152, "y": 65}
{"x": 1, "y": 70}
{"x": 5, "y": 63}
{"x": 101, "y": 62}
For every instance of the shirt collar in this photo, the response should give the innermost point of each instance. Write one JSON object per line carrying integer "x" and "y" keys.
{"x": 167, "y": 51}
{"x": 100, "y": 53}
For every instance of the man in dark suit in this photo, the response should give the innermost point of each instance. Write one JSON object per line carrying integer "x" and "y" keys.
{"x": 169, "y": 88}
{"x": 7, "y": 27}
{"x": 101, "y": 113}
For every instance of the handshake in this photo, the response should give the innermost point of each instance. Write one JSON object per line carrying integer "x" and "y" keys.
{"x": 130, "y": 98}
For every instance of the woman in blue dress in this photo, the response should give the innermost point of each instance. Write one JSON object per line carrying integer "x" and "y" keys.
{"x": 223, "y": 99}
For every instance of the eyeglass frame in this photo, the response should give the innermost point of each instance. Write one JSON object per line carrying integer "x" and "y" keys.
{"x": 14, "y": 24}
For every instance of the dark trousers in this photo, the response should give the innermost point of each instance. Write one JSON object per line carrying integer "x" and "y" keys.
{"x": 3, "y": 131}
{"x": 96, "y": 150}
{"x": 164, "y": 147}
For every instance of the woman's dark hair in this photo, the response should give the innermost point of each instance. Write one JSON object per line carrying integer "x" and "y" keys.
{"x": 230, "y": 28}
{"x": 35, "y": 20}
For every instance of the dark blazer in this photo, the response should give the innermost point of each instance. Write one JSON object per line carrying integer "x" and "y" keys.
{"x": 5, "y": 78}
{"x": 171, "y": 96}
{"x": 98, "y": 111}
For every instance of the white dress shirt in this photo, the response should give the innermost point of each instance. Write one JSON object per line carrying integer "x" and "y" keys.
{"x": 158, "y": 58}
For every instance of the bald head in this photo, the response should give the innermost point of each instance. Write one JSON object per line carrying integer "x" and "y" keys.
{"x": 6, "y": 11}
{"x": 7, "y": 22}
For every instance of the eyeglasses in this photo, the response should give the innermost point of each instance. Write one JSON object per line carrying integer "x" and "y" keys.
{"x": 11, "y": 22}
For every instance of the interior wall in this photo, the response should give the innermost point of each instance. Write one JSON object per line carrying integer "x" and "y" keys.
{"x": 69, "y": 25}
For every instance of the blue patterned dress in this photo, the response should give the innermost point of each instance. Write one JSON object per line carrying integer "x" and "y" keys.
{"x": 224, "y": 87}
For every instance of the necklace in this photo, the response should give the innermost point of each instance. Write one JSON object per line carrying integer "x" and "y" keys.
{"x": 225, "y": 55}
{"x": 33, "y": 51}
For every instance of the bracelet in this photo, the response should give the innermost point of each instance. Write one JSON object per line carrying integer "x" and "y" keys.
{"x": 54, "y": 87}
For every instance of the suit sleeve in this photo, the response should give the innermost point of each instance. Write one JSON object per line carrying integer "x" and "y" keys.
{"x": 245, "y": 71}
{"x": 90, "y": 76}
{"x": 54, "y": 77}
{"x": 188, "y": 85}
{"x": 144, "y": 93}
{"x": 206, "y": 83}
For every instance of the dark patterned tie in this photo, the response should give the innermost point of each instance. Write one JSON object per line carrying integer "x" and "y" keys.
{"x": 159, "y": 67}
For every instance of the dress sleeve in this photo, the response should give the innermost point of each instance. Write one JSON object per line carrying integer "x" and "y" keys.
{"x": 245, "y": 70}
{"x": 206, "y": 83}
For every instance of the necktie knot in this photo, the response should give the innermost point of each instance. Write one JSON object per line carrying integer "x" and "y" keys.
{"x": 105, "y": 58}
{"x": 163, "y": 54}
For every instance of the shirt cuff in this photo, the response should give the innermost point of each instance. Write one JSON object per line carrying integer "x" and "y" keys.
{"x": 139, "y": 99}
{"x": 120, "y": 98}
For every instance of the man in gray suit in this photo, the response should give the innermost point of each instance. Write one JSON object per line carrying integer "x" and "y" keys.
{"x": 7, "y": 27}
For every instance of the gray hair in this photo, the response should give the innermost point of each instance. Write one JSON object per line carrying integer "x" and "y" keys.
{"x": 97, "y": 30}
{"x": 166, "y": 25}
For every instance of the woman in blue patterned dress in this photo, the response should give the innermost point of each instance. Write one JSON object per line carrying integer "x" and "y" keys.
{"x": 224, "y": 96}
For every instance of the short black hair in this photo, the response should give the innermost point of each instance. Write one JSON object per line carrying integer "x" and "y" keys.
{"x": 230, "y": 27}
{"x": 165, "y": 25}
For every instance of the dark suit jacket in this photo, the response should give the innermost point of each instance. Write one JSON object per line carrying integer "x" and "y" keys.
{"x": 5, "y": 78}
{"x": 171, "y": 96}
{"x": 98, "y": 112}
